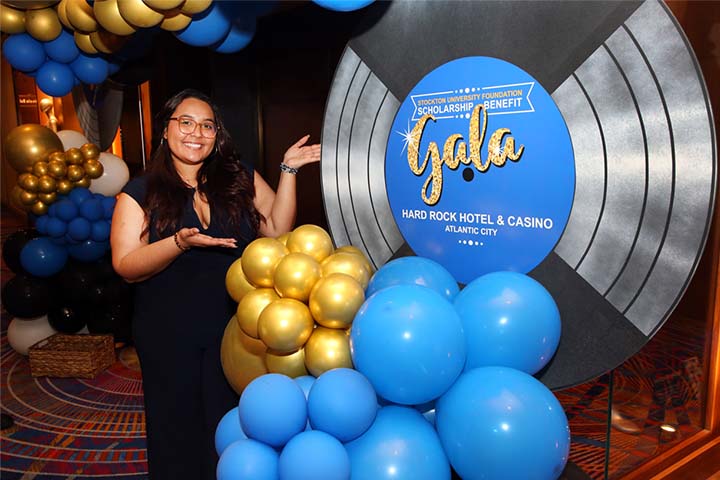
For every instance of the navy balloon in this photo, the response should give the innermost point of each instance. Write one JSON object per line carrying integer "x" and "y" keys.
{"x": 79, "y": 195}
{"x": 498, "y": 422}
{"x": 63, "y": 49}
{"x": 56, "y": 228}
{"x": 88, "y": 250}
{"x": 55, "y": 79}
{"x": 41, "y": 224}
{"x": 414, "y": 270}
{"x": 79, "y": 229}
{"x": 237, "y": 39}
{"x": 23, "y": 52}
{"x": 91, "y": 209}
{"x": 90, "y": 69}
{"x": 100, "y": 230}
{"x": 108, "y": 204}
{"x": 248, "y": 460}
{"x": 314, "y": 455}
{"x": 228, "y": 430}
{"x": 66, "y": 209}
{"x": 343, "y": 5}
{"x": 43, "y": 258}
{"x": 210, "y": 26}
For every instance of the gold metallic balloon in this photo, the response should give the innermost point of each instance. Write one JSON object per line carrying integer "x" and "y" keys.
{"x": 259, "y": 260}
{"x": 64, "y": 186}
{"x": 191, "y": 7}
{"x": 28, "y": 198}
{"x": 106, "y": 42}
{"x": 74, "y": 156}
{"x": 80, "y": 15}
{"x": 90, "y": 151}
{"x": 137, "y": 14}
{"x": 47, "y": 198}
{"x": 39, "y": 208}
{"x": 43, "y": 25}
{"x": 250, "y": 308}
{"x": 335, "y": 300}
{"x": 84, "y": 182}
{"x": 93, "y": 169}
{"x": 59, "y": 156}
{"x": 327, "y": 348}
{"x": 108, "y": 16}
{"x": 75, "y": 173}
{"x": 295, "y": 275}
{"x": 283, "y": 238}
{"x": 349, "y": 264}
{"x": 285, "y": 325}
{"x": 175, "y": 21}
{"x": 82, "y": 40}
{"x": 15, "y": 201}
{"x": 30, "y": 4}
{"x": 11, "y": 21}
{"x": 242, "y": 357}
{"x": 236, "y": 283}
{"x": 312, "y": 240}
{"x": 57, "y": 168}
{"x": 163, "y": 4}
{"x": 62, "y": 15}
{"x": 40, "y": 168}
{"x": 29, "y": 182}
{"x": 29, "y": 143}
{"x": 290, "y": 364}
{"x": 47, "y": 184}
{"x": 356, "y": 251}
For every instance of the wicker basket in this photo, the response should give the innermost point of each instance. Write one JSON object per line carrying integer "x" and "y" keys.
{"x": 77, "y": 356}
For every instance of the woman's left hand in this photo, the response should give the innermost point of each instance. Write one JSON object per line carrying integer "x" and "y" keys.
{"x": 300, "y": 154}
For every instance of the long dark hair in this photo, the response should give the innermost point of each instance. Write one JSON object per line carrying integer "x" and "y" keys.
{"x": 222, "y": 179}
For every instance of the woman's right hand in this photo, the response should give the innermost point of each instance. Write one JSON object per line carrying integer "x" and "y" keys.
{"x": 191, "y": 237}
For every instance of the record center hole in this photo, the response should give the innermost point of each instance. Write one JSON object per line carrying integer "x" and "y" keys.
{"x": 468, "y": 174}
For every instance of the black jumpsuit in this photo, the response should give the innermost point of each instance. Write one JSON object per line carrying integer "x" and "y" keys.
{"x": 180, "y": 315}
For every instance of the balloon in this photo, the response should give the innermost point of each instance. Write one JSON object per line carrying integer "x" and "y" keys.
{"x": 312, "y": 240}
{"x": 259, "y": 260}
{"x": 71, "y": 139}
{"x": 250, "y": 308}
{"x": 273, "y": 409}
{"x": 90, "y": 151}
{"x": 342, "y": 403}
{"x": 335, "y": 299}
{"x": 41, "y": 226}
{"x": 285, "y": 325}
{"x": 93, "y": 169}
{"x": 62, "y": 50}
{"x": 28, "y": 181}
{"x": 40, "y": 168}
{"x": 80, "y": 15}
{"x": 417, "y": 271}
{"x": 290, "y": 364}
{"x": 163, "y": 4}
{"x": 137, "y": 14}
{"x": 56, "y": 228}
{"x": 248, "y": 460}
{"x": 43, "y": 24}
{"x": 11, "y": 21}
{"x": 23, "y": 52}
{"x": 108, "y": 204}
{"x": 313, "y": 455}
{"x": 400, "y": 444}
{"x": 195, "y": 6}
{"x": 509, "y": 320}
{"x": 79, "y": 196}
{"x": 79, "y": 229}
{"x": 29, "y": 143}
{"x": 115, "y": 176}
{"x": 90, "y": 69}
{"x": 25, "y": 296}
{"x": 55, "y": 79}
{"x": 56, "y": 166}
{"x": 209, "y": 27}
{"x": 343, "y": 5}
{"x": 23, "y": 333}
{"x": 66, "y": 209}
{"x": 408, "y": 341}
{"x": 228, "y": 430}
{"x": 67, "y": 319}
{"x": 46, "y": 184}
{"x": 327, "y": 348}
{"x": 84, "y": 43}
{"x": 73, "y": 156}
{"x": 30, "y": 4}
{"x": 108, "y": 16}
{"x": 494, "y": 416}
{"x": 39, "y": 208}
{"x": 13, "y": 245}
{"x": 236, "y": 283}
{"x": 349, "y": 264}
{"x": 306, "y": 382}
{"x": 88, "y": 250}
{"x": 91, "y": 209}
{"x": 237, "y": 39}
{"x": 42, "y": 258}
{"x": 62, "y": 15}
{"x": 242, "y": 357}
{"x": 100, "y": 231}
{"x": 174, "y": 22}
{"x": 356, "y": 251}
{"x": 295, "y": 275}
{"x": 75, "y": 173}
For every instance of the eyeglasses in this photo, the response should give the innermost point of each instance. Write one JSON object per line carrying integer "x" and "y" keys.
{"x": 188, "y": 125}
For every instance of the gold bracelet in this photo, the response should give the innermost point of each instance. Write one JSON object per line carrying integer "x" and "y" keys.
{"x": 177, "y": 242}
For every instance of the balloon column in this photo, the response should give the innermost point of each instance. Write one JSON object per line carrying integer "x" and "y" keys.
{"x": 297, "y": 297}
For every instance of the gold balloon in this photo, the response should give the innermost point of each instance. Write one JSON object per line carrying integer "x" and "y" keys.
{"x": 82, "y": 40}
{"x": 175, "y": 21}
{"x": 30, "y": 4}
{"x": 28, "y": 181}
{"x": 285, "y": 325}
{"x": 47, "y": 198}
{"x": 57, "y": 168}
{"x": 39, "y": 208}
{"x": 40, "y": 168}
{"x": 236, "y": 283}
{"x": 29, "y": 143}
{"x": 356, "y": 251}
{"x": 106, "y": 42}
{"x": 284, "y": 238}
{"x": 242, "y": 357}
{"x": 74, "y": 156}
{"x": 43, "y": 25}
{"x": 11, "y": 21}
{"x": 47, "y": 184}
{"x": 250, "y": 308}
{"x": 335, "y": 300}
{"x": 163, "y": 4}
{"x": 15, "y": 201}
{"x": 93, "y": 169}
{"x": 28, "y": 198}
{"x": 81, "y": 16}
{"x": 312, "y": 240}
{"x": 108, "y": 16}
{"x": 75, "y": 173}
{"x": 191, "y": 7}
{"x": 62, "y": 15}
{"x": 290, "y": 364}
{"x": 90, "y": 151}
{"x": 327, "y": 348}
{"x": 349, "y": 264}
{"x": 137, "y": 14}
{"x": 57, "y": 156}
{"x": 64, "y": 186}
{"x": 295, "y": 275}
{"x": 259, "y": 260}
{"x": 84, "y": 182}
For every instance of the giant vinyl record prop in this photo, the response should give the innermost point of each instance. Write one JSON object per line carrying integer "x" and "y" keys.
{"x": 572, "y": 141}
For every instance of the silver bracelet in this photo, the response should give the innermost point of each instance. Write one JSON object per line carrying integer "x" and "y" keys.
{"x": 284, "y": 167}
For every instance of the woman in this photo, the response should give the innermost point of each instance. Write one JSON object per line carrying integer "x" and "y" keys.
{"x": 175, "y": 231}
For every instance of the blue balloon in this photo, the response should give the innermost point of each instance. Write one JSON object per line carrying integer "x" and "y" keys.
{"x": 210, "y": 26}
{"x": 408, "y": 341}
{"x": 343, "y": 5}
{"x": 108, "y": 204}
{"x": 238, "y": 38}
{"x": 248, "y": 460}
{"x": 56, "y": 228}
{"x": 414, "y": 270}
{"x": 100, "y": 230}
{"x": 66, "y": 210}
{"x": 510, "y": 320}
{"x": 63, "y": 49}
{"x": 498, "y": 422}
{"x": 79, "y": 194}
{"x": 400, "y": 445}
{"x": 43, "y": 258}
{"x": 79, "y": 229}
{"x": 228, "y": 431}
{"x": 273, "y": 409}
{"x": 91, "y": 209}
{"x": 342, "y": 403}
{"x": 91, "y": 69}
{"x": 306, "y": 382}
{"x": 88, "y": 250}
{"x": 23, "y": 52}
{"x": 314, "y": 455}
{"x": 41, "y": 224}
{"x": 55, "y": 79}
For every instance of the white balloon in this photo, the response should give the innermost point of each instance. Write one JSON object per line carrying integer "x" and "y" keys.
{"x": 115, "y": 175}
{"x": 71, "y": 139}
{"x": 23, "y": 333}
